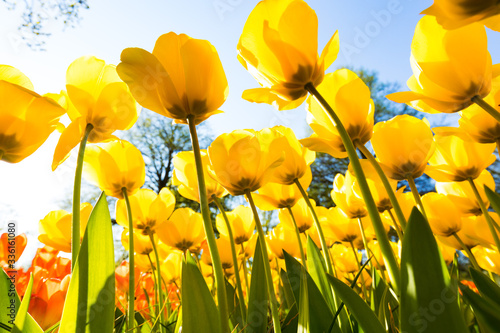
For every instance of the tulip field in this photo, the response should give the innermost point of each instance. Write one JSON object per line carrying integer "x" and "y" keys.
{"x": 385, "y": 258}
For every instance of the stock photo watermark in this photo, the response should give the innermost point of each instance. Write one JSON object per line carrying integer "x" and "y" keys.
{"x": 10, "y": 270}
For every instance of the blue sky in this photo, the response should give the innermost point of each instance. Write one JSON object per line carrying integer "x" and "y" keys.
{"x": 374, "y": 34}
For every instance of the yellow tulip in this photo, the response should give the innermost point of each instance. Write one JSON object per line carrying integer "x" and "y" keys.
{"x": 95, "y": 96}
{"x": 403, "y": 146}
{"x": 488, "y": 259}
{"x": 467, "y": 234}
{"x": 301, "y": 213}
{"x": 324, "y": 217}
{"x": 345, "y": 229}
{"x": 457, "y": 157}
{"x": 283, "y": 238}
{"x": 374, "y": 247}
{"x": 297, "y": 158}
{"x": 279, "y": 47}
{"x": 244, "y": 160}
{"x": 344, "y": 259}
{"x": 462, "y": 195}
{"x": 171, "y": 267}
{"x": 113, "y": 166}
{"x": 249, "y": 246}
{"x": 476, "y": 122}
{"x": 55, "y": 228}
{"x": 447, "y": 252}
{"x": 26, "y": 118}
{"x": 406, "y": 201}
{"x": 376, "y": 187}
{"x": 182, "y": 78}
{"x": 450, "y": 67}
{"x": 186, "y": 180}
{"x": 274, "y": 195}
{"x": 481, "y": 230}
{"x": 183, "y": 230}
{"x": 142, "y": 243}
{"x": 443, "y": 217}
{"x": 349, "y": 96}
{"x": 241, "y": 221}
{"x": 345, "y": 196}
{"x": 224, "y": 247}
{"x": 455, "y": 14}
{"x": 149, "y": 209}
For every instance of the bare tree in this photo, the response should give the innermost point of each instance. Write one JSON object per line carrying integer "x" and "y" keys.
{"x": 36, "y": 15}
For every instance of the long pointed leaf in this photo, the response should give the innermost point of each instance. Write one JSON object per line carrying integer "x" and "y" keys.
{"x": 199, "y": 312}
{"x": 365, "y": 317}
{"x": 319, "y": 313}
{"x": 428, "y": 302}
{"x": 90, "y": 301}
{"x": 487, "y": 312}
{"x": 486, "y": 287}
{"x": 258, "y": 299}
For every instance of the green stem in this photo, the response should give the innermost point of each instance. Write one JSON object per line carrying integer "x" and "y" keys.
{"x": 385, "y": 247}
{"x": 363, "y": 286}
{"x": 387, "y": 185}
{"x": 131, "y": 264}
{"x": 207, "y": 225}
{"x": 487, "y": 216}
{"x": 486, "y": 107}
{"x": 156, "y": 308}
{"x": 416, "y": 195}
{"x": 297, "y": 233}
{"x": 365, "y": 241}
{"x": 235, "y": 260}
{"x": 75, "y": 219}
{"x": 159, "y": 280}
{"x": 245, "y": 269}
{"x": 267, "y": 267}
{"x": 468, "y": 251}
{"x": 322, "y": 240}
{"x": 396, "y": 226}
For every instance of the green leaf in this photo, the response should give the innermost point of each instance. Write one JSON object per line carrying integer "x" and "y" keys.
{"x": 233, "y": 305}
{"x": 494, "y": 198}
{"x": 10, "y": 297}
{"x": 304, "y": 325}
{"x": 487, "y": 288}
{"x": 291, "y": 321}
{"x": 428, "y": 301}
{"x": 90, "y": 301}
{"x": 317, "y": 270}
{"x": 9, "y": 301}
{"x": 258, "y": 298}
{"x": 365, "y": 317}
{"x": 199, "y": 312}
{"x": 487, "y": 312}
{"x": 21, "y": 324}
{"x": 379, "y": 287}
{"x": 319, "y": 313}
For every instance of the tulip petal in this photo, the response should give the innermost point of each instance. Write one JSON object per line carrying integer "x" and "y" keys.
{"x": 69, "y": 139}
{"x": 15, "y": 76}
{"x": 330, "y": 52}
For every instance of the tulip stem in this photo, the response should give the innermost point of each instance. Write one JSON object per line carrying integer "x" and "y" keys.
{"x": 363, "y": 285}
{"x": 157, "y": 309}
{"x": 131, "y": 264}
{"x": 487, "y": 216}
{"x": 209, "y": 233}
{"x": 235, "y": 260}
{"x": 385, "y": 182}
{"x": 297, "y": 233}
{"x": 396, "y": 226}
{"x": 486, "y": 107}
{"x": 75, "y": 220}
{"x": 245, "y": 269}
{"x": 468, "y": 251}
{"x": 416, "y": 195}
{"x": 322, "y": 240}
{"x": 159, "y": 281}
{"x": 385, "y": 247}
{"x": 267, "y": 267}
